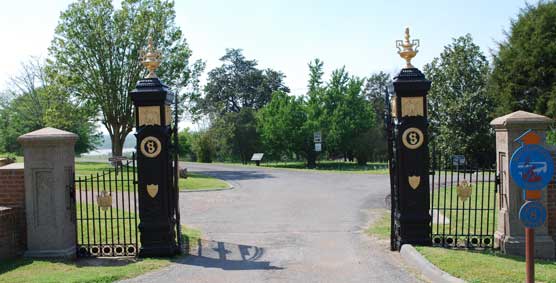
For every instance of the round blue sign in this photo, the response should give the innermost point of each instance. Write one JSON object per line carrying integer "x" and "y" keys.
{"x": 532, "y": 214}
{"x": 531, "y": 167}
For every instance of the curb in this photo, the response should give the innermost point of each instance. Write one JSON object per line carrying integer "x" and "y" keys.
{"x": 208, "y": 190}
{"x": 412, "y": 257}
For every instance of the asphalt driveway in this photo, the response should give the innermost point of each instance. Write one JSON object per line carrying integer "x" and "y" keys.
{"x": 284, "y": 226}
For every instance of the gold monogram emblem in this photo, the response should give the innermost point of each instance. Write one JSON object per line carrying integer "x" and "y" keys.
{"x": 464, "y": 190}
{"x": 413, "y": 138}
{"x": 152, "y": 190}
{"x": 150, "y": 147}
{"x": 414, "y": 181}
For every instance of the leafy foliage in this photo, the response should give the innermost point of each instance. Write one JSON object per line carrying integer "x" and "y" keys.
{"x": 524, "y": 73}
{"x": 339, "y": 110}
{"x": 232, "y": 95}
{"x": 459, "y": 106}
{"x": 96, "y": 56}
{"x": 34, "y": 101}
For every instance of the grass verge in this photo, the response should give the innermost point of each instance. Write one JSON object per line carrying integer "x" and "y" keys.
{"x": 471, "y": 265}
{"x": 196, "y": 181}
{"x": 85, "y": 270}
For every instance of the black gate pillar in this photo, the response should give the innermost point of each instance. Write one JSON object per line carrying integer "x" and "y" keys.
{"x": 152, "y": 100}
{"x": 412, "y": 220}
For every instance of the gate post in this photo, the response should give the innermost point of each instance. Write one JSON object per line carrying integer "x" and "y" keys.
{"x": 49, "y": 200}
{"x": 510, "y": 233}
{"x": 412, "y": 220}
{"x": 152, "y": 101}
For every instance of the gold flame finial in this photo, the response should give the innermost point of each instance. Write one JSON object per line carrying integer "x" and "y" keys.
{"x": 150, "y": 58}
{"x": 407, "y": 49}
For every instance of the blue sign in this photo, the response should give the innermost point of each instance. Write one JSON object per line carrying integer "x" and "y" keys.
{"x": 532, "y": 214}
{"x": 531, "y": 167}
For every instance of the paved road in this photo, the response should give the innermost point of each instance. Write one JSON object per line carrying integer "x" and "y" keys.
{"x": 285, "y": 226}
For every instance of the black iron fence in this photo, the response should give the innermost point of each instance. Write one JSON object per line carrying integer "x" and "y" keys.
{"x": 107, "y": 212}
{"x": 463, "y": 203}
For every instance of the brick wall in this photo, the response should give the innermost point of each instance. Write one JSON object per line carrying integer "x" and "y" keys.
{"x": 12, "y": 211}
{"x": 12, "y": 233}
{"x": 551, "y": 208}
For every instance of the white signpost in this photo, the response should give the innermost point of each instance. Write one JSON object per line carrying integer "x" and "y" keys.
{"x": 317, "y": 137}
{"x": 318, "y": 147}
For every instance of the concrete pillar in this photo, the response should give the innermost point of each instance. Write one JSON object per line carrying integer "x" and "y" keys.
{"x": 50, "y": 208}
{"x": 510, "y": 233}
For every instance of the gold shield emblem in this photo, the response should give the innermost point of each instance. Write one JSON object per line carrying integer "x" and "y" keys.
{"x": 414, "y": 181}
{"x": 152, "y": 190}
{"x": 464, "y": 190}
{"x": 104, "y": 200}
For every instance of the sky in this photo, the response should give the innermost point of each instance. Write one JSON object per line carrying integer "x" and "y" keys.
{"x": 285, "y": 34}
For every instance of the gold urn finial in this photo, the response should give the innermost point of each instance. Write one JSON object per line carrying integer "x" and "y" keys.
{"x": 407, "y": 49}
{"x": 150, "y": 58}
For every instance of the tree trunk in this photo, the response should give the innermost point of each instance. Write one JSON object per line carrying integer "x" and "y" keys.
{"x": 311, "y": 160}
{"x": 118, "y": 138}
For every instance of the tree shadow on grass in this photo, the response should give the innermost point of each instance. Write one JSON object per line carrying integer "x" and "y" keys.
{"x": 227, "y": 256}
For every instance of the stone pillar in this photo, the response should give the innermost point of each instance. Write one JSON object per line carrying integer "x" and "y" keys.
{"x": 50, "y": 206}
{"x": 510, "y": 233}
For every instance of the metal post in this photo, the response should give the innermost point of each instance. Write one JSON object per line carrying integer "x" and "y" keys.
{"x": 530, "y": 254}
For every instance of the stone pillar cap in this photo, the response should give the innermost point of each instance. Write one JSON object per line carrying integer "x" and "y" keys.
{"x": 48, "y": 135}
{"x": 521, "y": 119}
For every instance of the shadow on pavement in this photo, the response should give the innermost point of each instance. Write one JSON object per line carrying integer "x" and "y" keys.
{"x": 236, "y": 175}
{"x": 226, "y": 256}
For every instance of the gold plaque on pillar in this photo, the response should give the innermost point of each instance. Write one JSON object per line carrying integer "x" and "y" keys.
{"x": 152, "y": 190}
{"x": 168, "y": 115}
{"x": 149, "y": 115}
{"x": 412, "y": 106}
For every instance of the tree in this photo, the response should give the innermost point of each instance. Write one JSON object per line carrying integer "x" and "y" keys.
{"x": 374, "y": 91}
{"x": 281, "y": 124}
{"x": 34, "y": 101}
{"x": 95, "y": 53}
{"x": 524, "y": 73}
{"x": 232, "y": 95}
{"x": 203, "y": 146}
{"x": 185, "y": 138}
{"x": 459, "y": 106}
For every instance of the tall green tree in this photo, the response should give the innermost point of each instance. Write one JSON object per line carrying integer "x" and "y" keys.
{"x": 524, "y": 73}
{"x": 232, "y": 95}
{"x": 460, "y": 108}
{"x": 34, "y": 101}
{"x": 95, "y": 52}
{"x": 374, "y": 91}
{"x": 282, "y": 126}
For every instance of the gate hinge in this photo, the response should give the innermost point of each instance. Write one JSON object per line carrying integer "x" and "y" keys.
{"x": 497, "y": 179}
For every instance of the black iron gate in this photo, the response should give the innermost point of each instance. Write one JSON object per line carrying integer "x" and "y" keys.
{"x": 463, "y": 203}
{"x": 463, "y": 197}
{"x": 107, "y": 211}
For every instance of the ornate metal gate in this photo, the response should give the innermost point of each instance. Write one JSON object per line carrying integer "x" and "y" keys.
{"x": 463, "y": 200}
{"x": 463, "y": 203}
{"x": 107, "y": 212}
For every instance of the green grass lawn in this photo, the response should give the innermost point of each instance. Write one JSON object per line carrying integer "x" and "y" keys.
{"x": 487, "y": 266}
{"x": 84, "y": 270}
{"x": 195, "y": 181}
{"x": 472, "y": 265}
{"x": 469, "y": 217}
